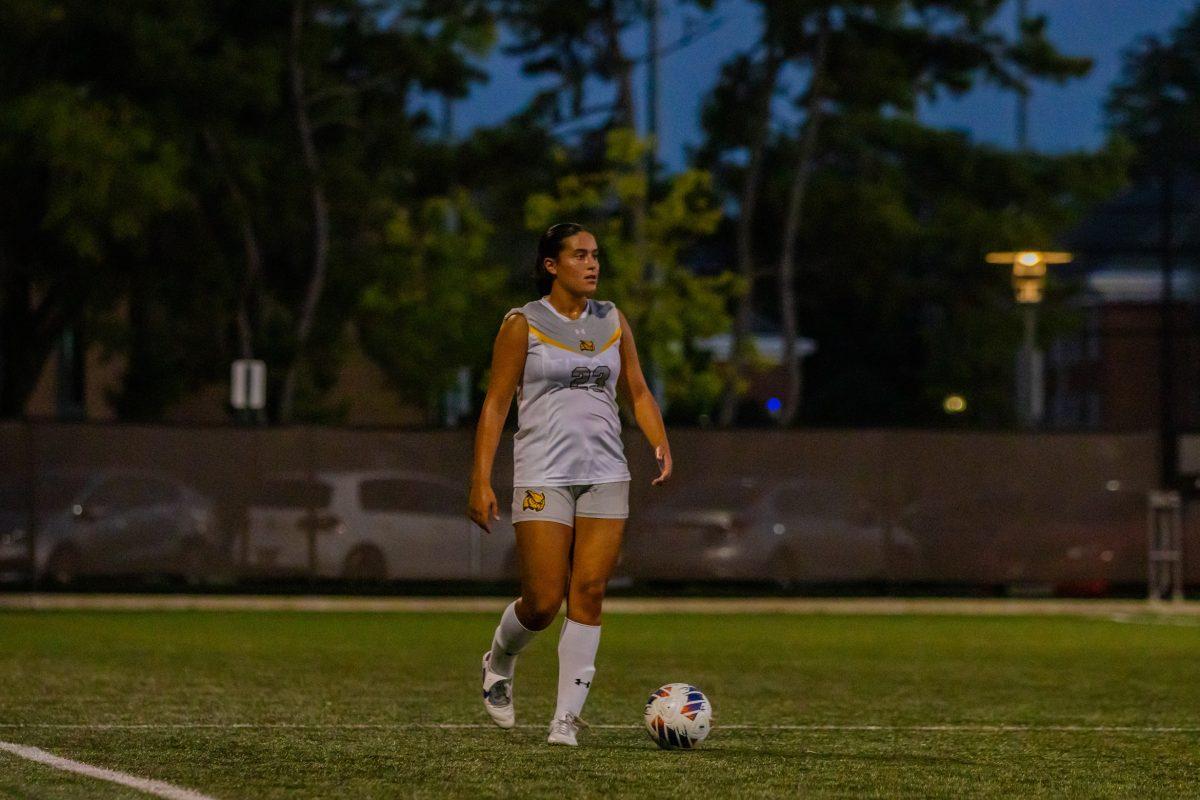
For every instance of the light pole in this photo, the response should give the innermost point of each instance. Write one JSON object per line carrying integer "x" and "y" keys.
{"x": 1029, "y": 283}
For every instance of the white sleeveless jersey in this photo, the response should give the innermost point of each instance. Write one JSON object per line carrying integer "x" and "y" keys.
{"x": 568, "y": 428}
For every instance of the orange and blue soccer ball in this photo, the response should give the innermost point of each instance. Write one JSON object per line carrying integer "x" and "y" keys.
{"x": 678, "y": 715}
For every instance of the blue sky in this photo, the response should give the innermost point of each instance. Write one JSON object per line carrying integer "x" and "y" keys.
{"x": 1061, "y": 119}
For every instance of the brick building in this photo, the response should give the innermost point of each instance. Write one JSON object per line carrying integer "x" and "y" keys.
{"x": 1106, "y": 376}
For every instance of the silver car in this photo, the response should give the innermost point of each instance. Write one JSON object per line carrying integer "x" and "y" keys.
{"x": 109, "y": 522}
{"x": 783, "y": 532}
{"x": 371, "y": 525}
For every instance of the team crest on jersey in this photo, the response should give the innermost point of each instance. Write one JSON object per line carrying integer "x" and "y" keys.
{"x": 587, "y": 345}
{"x": 534, "y": 501}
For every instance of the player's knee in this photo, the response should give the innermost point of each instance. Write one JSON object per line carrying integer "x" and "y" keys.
{"x": 587, "y": 596}
{"x": 541, "y": 609}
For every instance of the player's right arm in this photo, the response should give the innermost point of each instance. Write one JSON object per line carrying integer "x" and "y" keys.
{"x": 508, "y": 365}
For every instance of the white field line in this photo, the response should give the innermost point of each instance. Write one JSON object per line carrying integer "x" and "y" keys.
{"x": 156, "y": 788}
{"x": 402, "y": 726}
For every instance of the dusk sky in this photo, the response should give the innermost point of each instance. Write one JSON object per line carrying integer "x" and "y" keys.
{"x": 1060, "y": 118}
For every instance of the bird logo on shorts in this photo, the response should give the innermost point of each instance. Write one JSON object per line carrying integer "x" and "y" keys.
{"x": 534, "y": 501}
{"x": 587, "y": 345}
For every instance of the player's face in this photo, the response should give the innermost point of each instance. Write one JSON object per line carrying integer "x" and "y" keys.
{"x": 577, "y": 267}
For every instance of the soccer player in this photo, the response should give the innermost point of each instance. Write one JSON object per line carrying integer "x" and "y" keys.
{"x": 564, "y": 355}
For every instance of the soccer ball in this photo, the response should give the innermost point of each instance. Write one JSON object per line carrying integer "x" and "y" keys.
{"x": 678, "y": 715}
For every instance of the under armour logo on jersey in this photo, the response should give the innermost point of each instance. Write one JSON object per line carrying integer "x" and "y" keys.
{"x": 587, "y": 345}
{"x": 582, "y": 682}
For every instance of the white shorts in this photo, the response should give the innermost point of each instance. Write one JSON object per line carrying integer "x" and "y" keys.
{"x": 565, "y": 503}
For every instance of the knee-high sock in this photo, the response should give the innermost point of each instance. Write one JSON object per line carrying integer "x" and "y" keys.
{"x": 510, "y": 639}
{"x": 576, "y": 665}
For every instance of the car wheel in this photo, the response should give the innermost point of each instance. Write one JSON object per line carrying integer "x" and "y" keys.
{"x": 62, "y": 568}
{"x": 365, "y": 564}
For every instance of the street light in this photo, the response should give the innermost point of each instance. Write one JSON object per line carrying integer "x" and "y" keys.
{"x": 1029, "y": 284}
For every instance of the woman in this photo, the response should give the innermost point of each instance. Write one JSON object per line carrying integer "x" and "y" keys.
{"x": 564, "y": 355}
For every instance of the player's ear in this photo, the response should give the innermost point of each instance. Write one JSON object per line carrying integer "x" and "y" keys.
{"x": 551, "y": 266}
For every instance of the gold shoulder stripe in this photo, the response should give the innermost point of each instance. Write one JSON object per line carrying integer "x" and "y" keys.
{"x": 611, "y": 340}
{"x": 546, "y": 339}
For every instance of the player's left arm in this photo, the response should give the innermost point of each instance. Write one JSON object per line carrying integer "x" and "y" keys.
{"x": 631, "y": 384}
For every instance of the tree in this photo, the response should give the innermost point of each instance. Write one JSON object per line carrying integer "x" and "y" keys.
{"x": 907, "y": 313}
{"x": 350, "y": 70}
{"x": 746, "y": 82}
{"x": 87, "y": 176}
{"x": 870, "y": 57}
{"x": 434, "y": 299}
{"x": 1155, "y": 104}
{"x": 574, "y": 41}
{"x": 205, "y": 180}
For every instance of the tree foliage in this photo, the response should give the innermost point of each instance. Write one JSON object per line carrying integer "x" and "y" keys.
{"x": 433, "y": 296}
{"x": 206, "y": 179}
{"x": 1156, "y": 101}
{"x": 202, "y": 180}
{"x": 850, "y": 70}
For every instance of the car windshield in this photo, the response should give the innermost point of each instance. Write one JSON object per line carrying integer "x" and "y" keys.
{"x": 293, "y": 493}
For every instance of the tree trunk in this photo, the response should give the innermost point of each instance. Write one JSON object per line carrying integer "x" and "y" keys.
{"x": 625, "y": 116}
{"x": 251, "y": 250}
{"x": 29, "y": 334}
{"x": 18, "y": 363}
{"x": 791, "y": 228}
{"x": 747, "y": 267}
{"x": 320, "y": 210}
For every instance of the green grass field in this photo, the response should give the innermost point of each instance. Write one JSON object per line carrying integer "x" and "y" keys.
{"x": 323, "y": 705}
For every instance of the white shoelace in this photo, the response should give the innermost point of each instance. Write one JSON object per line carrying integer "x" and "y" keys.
{"x": 568, "y": 724}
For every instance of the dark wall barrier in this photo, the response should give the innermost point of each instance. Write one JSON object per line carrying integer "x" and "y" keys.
{"x": 1066, "y": 512}
{"x": 991, "y": 509}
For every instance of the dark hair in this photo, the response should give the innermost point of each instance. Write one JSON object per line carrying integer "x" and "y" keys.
{"x": 549, "y": 246}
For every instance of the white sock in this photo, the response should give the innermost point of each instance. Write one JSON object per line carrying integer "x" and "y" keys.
{"x": 510, "y": 639}
{"x": 576, "y": 665}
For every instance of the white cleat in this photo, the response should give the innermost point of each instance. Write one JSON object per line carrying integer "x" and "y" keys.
{"x": 497, "y": 695}
{"x": 563, "y": 730}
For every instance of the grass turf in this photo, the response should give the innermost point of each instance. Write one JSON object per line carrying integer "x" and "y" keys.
{"x": 331, "y": 703}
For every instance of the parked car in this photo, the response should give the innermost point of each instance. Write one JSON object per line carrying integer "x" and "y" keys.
{"x": 15, "y": 513}
{"x": 371, "y": 525}
{"x": 784, "y": 532}
{"x": 1024, "y": 541}
{"x": 109, "y": 522}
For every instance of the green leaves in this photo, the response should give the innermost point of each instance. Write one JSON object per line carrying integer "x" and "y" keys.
{"x": 107, "y": 175}
{"x": 431, "y": 305}
{"x": 1156, "y": 101}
